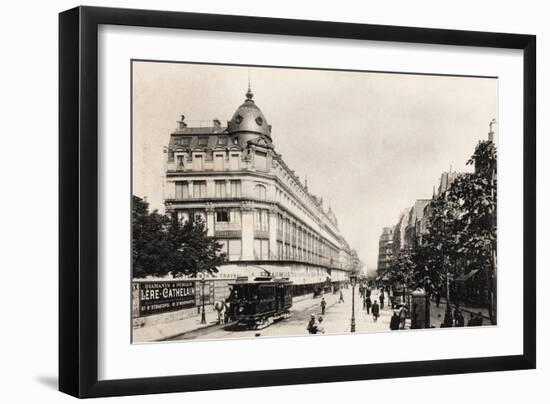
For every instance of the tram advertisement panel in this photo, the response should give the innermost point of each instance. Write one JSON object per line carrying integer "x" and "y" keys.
{"x": 163, "y": 296}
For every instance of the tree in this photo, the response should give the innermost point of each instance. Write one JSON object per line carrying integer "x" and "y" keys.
{"x": 461, "y": 230}
{"x": 194, "y": 251}
{"x": 401, "y": 270}
{"x": 476, "y": 196}
{"x": 163, "y": 245}
{"x": 150, "y": 249}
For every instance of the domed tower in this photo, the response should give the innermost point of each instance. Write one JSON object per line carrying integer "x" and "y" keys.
{"x": 248, "y": 122}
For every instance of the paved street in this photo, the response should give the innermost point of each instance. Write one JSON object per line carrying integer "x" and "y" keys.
{"x": 337, "y": 319}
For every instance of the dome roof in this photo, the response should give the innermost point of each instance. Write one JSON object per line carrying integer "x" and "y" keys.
{"x": 249, "y": 118}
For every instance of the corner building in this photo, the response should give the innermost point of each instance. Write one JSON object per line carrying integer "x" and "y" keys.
{"x": 253, "y": 203}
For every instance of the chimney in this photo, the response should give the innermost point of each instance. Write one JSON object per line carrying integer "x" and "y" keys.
{"x": 181, "y": 122}
{"x": 491, "y": 132}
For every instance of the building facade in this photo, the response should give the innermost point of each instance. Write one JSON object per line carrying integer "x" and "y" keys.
{"x": 252, "y": 202}
{"x": 385, "y": 250}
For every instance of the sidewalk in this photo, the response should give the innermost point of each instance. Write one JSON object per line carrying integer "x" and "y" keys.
{"x": 162, "y": 331}
{"x": 437, "y": 314}
{"x": 337, "y": 319}
{"x": 159, "y": 332}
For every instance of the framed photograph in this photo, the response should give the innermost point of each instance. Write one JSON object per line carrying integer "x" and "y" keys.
{"x": 251, "y": 202}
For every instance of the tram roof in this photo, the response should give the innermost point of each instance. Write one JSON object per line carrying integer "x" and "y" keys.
{"x": 243, "y": 280}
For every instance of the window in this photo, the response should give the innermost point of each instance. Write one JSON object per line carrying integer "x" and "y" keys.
{"x": 261, "y": 248}
{"x": 199, "y": 189}
{"x": 235, "y": 188}
{"x": 180, "y": 161}
{"x": 234, "y": 161}
{"x": 220, "y": 189}
{"x": 234, "y": 247}
{"x": 203, "y": 141}
{"x": 261, "y": 220}
{"x": 182, "y": 190}
{"x": 224, "y": 245}
{"x": 197, "y": 162}
{"x": 222, "y": 141}
{"x": 260, "y": 161}
{"x": 218, "y": 162}
{"x": 199, "y": 215}
{"x": 280, "y": 225}
{"x": 235, "y": 216}
{"x": 183, "y": 216}
{"x": 260, "y": 192}
{"x": 183, "y": 141}
{"x": 222, "y": 216}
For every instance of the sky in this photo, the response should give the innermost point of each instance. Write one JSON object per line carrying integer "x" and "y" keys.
{"x": 369, "y": 143}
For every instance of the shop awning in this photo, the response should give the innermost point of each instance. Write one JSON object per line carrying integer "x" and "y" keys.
{"x": 465, "y": 277}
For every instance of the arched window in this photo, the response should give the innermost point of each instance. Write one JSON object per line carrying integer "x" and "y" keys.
{"x": 261, "y": 192}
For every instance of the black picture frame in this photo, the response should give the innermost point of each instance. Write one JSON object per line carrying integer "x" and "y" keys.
{"x": 78, "y": 201}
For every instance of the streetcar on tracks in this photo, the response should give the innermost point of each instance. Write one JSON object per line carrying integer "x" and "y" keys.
{"x": 257, "y": 303}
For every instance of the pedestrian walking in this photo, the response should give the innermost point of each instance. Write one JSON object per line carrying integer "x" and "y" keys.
{"x": 225, "y": 312}
{"x": 323, "y": 306}
{"x": 459, "y": 319}
{"x": 471, "y": 321}
{"x": 402, "y": 316}
{"x": 320, "y": 328}
{"x": 219, "y": 307}
{"x": 368, "y": 302}
{"x": 341, "y": 297}
{"x": 375, "y": 310}
{"x": 382, "y": 299}
{"x": 437, "y": 299}
{"x": 479, "y": 319}
{"x": 394, "y": 321}
{"x": 455, "y": 312}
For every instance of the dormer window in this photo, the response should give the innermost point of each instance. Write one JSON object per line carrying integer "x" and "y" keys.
{"x": 238, "y": 119}
{"x": 179, "y": 161}
{"x": 259, "y": 121}
{"x": 182, "y": 141}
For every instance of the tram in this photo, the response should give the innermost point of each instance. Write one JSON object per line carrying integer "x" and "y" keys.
{"x": 257, "y": 303}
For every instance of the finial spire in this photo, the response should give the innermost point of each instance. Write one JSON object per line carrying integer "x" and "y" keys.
{"x": 249, "y": 93}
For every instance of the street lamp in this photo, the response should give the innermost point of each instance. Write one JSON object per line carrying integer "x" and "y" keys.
{"x": 203, "y": 281}
{"x": 353, "y": 280}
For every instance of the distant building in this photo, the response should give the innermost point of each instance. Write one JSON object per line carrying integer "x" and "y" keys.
{"x": 385, "y": 249}
{"x": 413, "y": 230}
{"x": 447, "y": 178}
{"x": 256, "y": 207}
{"x": 399, "y": 231}
{"x": 413, "y": 221}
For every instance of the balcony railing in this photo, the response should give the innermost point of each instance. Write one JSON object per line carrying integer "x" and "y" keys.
{"x": 227, "y": 233}
{"x": 261, "y": 234}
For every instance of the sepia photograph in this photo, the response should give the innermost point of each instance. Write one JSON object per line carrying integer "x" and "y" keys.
{"x": 282, "y": 202}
